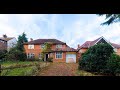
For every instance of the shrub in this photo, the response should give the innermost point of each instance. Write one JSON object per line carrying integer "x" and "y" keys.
{"x": 113, "y": 65}
{"x": 2, "y": 54}
{"x": 50, "y": 59}
{"x": 16, "y": 55}
{"x": 95, "y": 58}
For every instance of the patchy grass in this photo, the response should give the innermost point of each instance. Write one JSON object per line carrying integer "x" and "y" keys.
{"x": 27, "y": 71}
{"x": 84, "y": 73}
{"x": 13, "y": 63}
{"x": 22, "y": 71}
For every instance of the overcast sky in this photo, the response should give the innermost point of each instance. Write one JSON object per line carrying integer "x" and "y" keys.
{"x": 73, "y": 29}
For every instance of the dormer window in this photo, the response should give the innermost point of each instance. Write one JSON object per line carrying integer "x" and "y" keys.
{"x": 30, "y": 46}
{"x": 59, "y": 46}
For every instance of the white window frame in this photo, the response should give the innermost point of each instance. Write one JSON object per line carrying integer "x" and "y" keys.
{"x": 56, "y": 54}
{"x": 30, "y": 46}
{"x": 30, "y": 56}
{"x": 58, "y": 46}
{"x": 42, "y": 46}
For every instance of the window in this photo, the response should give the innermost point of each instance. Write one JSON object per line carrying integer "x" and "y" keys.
{"x": 58, "y": 46}
{"x": 30, "y": 55}
{"x": 30, "y": 46}
{"x": 42, "y": 45}
{"x": 58, "y": 55}
{"x": 115, "y": 49}
{"x": 40, "y": 56}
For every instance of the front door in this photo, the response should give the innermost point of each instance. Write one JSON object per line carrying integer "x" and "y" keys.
{"x": 46, "y": 57}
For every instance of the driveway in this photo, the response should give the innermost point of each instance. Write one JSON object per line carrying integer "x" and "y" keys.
{"x": 59, "y": 69}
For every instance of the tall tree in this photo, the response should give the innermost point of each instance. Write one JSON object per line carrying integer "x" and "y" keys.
{"x": 111, "y": 18}
{"x": 21, "y": 39}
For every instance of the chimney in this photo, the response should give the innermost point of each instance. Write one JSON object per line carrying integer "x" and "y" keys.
{"x": 31, "y": 39}
{"x": 78, "y": 45}
{"x": 4, "y": 36}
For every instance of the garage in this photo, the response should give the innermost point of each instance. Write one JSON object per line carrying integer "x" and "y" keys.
{"x": 70, "y": 58}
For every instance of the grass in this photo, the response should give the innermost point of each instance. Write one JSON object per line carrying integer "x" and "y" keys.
{"x": 84, "y": 73}
{"x": 13, "y": 63}
{"x": 27, "y": 71}
{"x": 22, "y": 71}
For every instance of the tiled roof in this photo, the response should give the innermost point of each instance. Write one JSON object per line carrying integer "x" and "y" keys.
{"x": 68, "y": 49}
{"x": 42, "y": 41}
{"x": 88, "y": 44}
{"x": 115, "y": 45}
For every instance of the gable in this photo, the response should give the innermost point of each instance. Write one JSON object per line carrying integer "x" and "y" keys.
{"x": 88, "y": 44}
{"x": 101, "y": 41}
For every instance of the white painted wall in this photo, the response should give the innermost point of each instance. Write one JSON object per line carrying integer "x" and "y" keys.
{"x": 11, "y": 43}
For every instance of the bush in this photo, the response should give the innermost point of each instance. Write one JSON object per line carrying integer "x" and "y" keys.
{"x": 16, "y": 55}
{"x": 113, "y": 65}
{"x": 50, "y": 59}
{"x": 2, "y": 54}
{"x": 95, "y": 58}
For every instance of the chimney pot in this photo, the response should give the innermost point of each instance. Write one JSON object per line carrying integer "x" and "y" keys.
{"x": 5, "y": 36}
{"x": 31, "y": 39}
{"x": 78, "y": 45}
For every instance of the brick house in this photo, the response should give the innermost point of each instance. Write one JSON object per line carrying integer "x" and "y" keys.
{"x": 84, "y": 47}
{"x": 61, "y": 52}
{"x": 7, "y": 42}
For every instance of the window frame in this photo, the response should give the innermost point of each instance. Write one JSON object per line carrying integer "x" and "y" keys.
{"x": 56, "y": 57}
{"x": 29, "y": 46}
{"x": 30, "y": 55}
{"x": 59, "y": 46}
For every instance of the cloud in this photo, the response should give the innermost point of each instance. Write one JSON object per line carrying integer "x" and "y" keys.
{"x": 70, "y": 28}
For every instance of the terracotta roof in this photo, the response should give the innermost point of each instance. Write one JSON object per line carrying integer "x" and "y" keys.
{"x": 42, "y": 41}
{"x": 6, "y": 39}
{"x": 88, "y": 44}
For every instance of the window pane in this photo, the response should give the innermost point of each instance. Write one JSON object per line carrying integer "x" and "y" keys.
{"x": 59, "y": 55}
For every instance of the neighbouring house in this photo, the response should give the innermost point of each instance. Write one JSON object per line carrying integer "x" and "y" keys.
{"x": 3, "y": 44}
{"x": 84, "y": 47}
{"x": 60, "y": 51}
{"x": 7, "y": 42}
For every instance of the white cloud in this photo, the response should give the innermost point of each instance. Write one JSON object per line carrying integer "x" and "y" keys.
{"x": 76, "y": 31}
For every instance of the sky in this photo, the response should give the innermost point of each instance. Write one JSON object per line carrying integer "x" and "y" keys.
{"x": 72, "y": 29}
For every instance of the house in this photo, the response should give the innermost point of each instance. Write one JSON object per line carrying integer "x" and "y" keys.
{"x": 3, "y": 44}
{"x": 84, "y": 47}
{"x": 7, "y": 42}
{"x": 60, "y": 51}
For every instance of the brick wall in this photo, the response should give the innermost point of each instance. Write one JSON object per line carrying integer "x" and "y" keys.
{"x": 59, "y": 60}
{"x": 38, "y": 50}
{"x": 118, "y": 51}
